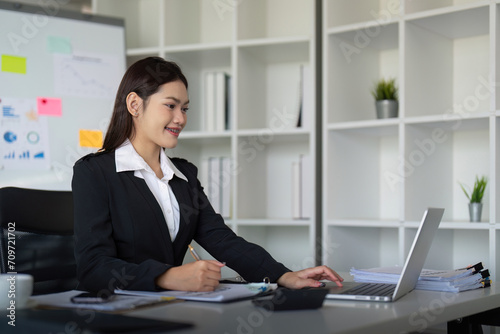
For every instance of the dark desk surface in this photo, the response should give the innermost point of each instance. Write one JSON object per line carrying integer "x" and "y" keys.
{"x": 412, "y": 313}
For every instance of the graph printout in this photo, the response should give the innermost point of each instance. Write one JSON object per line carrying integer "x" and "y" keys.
{"x": 24, "y": 135}
{"x": 86, "y": 76}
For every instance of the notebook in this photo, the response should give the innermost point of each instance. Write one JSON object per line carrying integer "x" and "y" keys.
{"x": 411, "y": 270}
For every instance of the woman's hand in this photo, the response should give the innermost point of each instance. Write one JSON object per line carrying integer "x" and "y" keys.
{"x": 309, "y": 277}
{"x": 201, "y": 275}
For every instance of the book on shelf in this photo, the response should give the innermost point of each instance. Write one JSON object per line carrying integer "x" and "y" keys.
{"x": 302, "y": 187}
{"x": 457, "y": 280}
{"x": 305, "y": 109}
{"x": 216, "y": 177}
{"x": 217, "y": 91}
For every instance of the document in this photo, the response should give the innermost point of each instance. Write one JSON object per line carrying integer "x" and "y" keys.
{"x": 120, "y": 303}
{"x": 457, "y": 280}
{"x": 225, "y": 292}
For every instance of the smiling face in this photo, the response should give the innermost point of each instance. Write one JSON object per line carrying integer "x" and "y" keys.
{"x": 159, "y": 120}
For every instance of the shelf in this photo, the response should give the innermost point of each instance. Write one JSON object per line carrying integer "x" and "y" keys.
{"x": 383, "y": 127}
{"x": 345, "y": 12}
{"x": 430, "y": 8}
{"x": 452, "y": 121}
{"x": 464, "y": 225}
{"x": 360, "y": 247}
{"x": 363, "y": 223}
{"x": 453, "y": 225}
{"x": 265, "y": 18}
{"x": 292, "y": 247}
{"x": 268, "y": 134}
{"x": 448, "y": 250}
{"x": 199, "y": 47}
{"x": 272, "y": 73}
{"x": 195, "y": 63}
{"x": 274, "y": 222}
{"x": 142, "y": 20}
{"x": 359, "y": 164}
{"x": 197, "y": 149}
{"x": 437, "y": 159}
{"x": 457, "y": 24}
{"x": 267, "y": 193}
{"x": 271, "y": 51}
{"x": 494, "y": 184}
{"x": 354, "y": 62}
{"x": 494, "y": 256}
{"x": 496, "y": 63}
{"x": 134, "y": 58}
{"x": 196, "y": 21}
{"x": 143, "y": 52}
{"x": 379, "y": 175}
{"x": 204, "y": 135}
{"x": 453, "y": 52}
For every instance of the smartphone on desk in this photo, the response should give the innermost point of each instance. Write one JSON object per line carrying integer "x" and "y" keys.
{"x": 91, "y": 298}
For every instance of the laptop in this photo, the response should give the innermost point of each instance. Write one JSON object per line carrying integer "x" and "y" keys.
{"x": 409, "y": 276}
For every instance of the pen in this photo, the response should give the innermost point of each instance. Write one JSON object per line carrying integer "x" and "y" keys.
{"x": 193, "y": 253}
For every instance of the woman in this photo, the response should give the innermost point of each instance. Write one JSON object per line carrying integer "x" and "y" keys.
{"x": 136, "y": 210}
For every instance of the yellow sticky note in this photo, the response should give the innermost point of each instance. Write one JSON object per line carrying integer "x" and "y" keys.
{"x": 13, "y": 64}
{"x": 91, "y": 138}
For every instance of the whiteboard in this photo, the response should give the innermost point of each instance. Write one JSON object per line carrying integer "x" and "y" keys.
{"x": 59, "y": 72}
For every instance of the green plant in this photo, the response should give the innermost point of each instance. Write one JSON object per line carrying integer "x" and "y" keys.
{"x": 385, "y": 90}
{"x": 476, "y": 196}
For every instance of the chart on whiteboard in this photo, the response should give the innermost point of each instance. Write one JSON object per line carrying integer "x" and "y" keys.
{"x": 24, "y": 135}
{"x": 86, "y": 75}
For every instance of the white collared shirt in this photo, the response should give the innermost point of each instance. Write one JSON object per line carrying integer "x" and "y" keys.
{"x": 127, "y": 159}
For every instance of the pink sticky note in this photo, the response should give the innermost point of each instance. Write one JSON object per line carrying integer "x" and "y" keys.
{"x": 49, "y": 106}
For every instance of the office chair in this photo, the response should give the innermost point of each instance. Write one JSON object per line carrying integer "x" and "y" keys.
{"x": 36, "y": 237}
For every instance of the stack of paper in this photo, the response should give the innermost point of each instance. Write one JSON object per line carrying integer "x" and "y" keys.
{"x": 468, "y": 278}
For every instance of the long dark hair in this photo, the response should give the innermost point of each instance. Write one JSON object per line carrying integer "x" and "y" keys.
{"x": 144, "y": 77}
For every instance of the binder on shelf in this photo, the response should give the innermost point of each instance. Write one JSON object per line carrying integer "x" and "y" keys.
{"x": 305, "y": 110}
{"x": 225, "y": 180}
{"x": 307, "y": 189}
{"x": 216, "y": 177}
{"x": 217, "y": 101}
{"x": 296, "y": 191}
{"x": 214, "y": 191}
{"x": 302, "y": 187}
{"x": 209, "y": 98}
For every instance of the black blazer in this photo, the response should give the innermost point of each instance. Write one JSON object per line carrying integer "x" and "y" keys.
{"x": 122, "y": 240}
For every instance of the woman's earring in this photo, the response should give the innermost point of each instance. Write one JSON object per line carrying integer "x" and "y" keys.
{"x": 136, "y": 114}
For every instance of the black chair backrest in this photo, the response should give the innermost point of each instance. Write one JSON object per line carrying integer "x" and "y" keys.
{"x": 36, "y": 237}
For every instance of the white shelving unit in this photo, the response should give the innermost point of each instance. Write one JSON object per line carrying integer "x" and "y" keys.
{"x": 380, "y": 174}
{"x": 262, "y": 50}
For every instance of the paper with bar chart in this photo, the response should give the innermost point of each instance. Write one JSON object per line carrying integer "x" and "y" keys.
{"x": 24, "y": 135}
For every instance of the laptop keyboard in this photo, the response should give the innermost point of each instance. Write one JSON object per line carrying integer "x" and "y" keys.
{"x": 372, "y": 289}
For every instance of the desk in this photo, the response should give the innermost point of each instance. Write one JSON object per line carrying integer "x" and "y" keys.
{"x": 413, "y": 312}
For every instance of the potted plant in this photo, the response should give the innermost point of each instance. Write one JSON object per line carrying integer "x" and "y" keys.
{"x": 475, "y": 198}
{"x": 385, "y": 93}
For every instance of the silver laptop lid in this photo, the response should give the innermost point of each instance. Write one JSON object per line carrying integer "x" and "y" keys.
{"x": 418, "y": 252}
